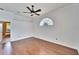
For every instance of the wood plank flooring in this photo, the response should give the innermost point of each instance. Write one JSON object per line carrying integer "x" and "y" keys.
{"x": 36, "y": 46}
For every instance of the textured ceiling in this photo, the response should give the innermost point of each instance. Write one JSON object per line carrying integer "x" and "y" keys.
{"x": 19, "y": 8}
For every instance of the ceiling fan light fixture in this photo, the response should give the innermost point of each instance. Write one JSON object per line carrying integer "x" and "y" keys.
{"x": 32, "y": 5}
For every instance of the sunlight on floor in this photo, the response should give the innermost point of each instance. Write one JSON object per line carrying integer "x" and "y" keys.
{"x": 7, "y": 48}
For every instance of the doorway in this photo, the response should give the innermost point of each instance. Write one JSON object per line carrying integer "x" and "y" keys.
{"x": 5, "y": 31}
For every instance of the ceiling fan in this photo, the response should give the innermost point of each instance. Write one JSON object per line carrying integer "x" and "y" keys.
{"x": 32, "y": 11}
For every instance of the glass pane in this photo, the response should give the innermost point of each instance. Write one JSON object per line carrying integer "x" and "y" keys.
{"x": 47, "y": 21}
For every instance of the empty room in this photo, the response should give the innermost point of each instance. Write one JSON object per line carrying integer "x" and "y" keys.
{"x": 39, "y": 28}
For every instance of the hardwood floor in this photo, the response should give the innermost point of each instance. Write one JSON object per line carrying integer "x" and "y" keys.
{"x": 35, "y": 46}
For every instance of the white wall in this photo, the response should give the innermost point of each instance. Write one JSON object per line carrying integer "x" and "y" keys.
{"x": 66, "y": 27}
{"x": 0, "y": 27}
{"x": 21, "y": 28}
{"x": 0, "y": 31}
{"x": 6, "y": 16}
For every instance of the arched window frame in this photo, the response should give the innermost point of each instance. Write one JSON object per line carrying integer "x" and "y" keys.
{"x": 47, "y": 21}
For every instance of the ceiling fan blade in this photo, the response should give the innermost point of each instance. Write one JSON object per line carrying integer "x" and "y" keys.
{"x": 1, "y": 9}
{"x": 37, "y": 14}
{"x": 26, "y": 12}
{"x": 29, "y": 8}
{"x": 31, "y": 14}
{"x": 38, "y": 10}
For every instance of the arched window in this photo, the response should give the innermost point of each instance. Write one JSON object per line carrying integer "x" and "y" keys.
{"x": 47, "y": 21}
